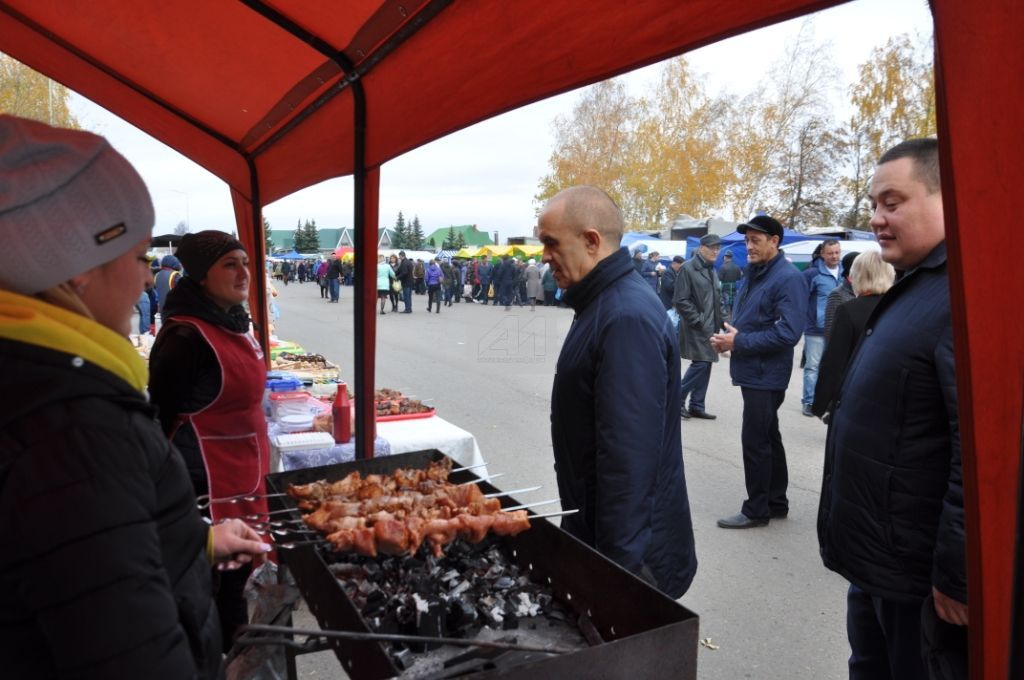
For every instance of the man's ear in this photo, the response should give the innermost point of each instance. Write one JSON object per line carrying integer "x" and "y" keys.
{"x": 592, "y": 237}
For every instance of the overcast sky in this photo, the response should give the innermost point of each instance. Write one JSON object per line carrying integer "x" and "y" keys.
{"x": 488, "y": 174}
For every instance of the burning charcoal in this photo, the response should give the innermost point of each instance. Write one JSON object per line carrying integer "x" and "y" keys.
{"x": 450, "y": 575}
{"x": 493, "y": 617}
{"x": 461, "y": 614}
{"x": 375, "y": 603}
{"x": 525, "y": 606}
{"x": 403, "y": 659}
{"x": 496, "y": 570}
{"x": 372, "y": 570}
{"x": 365, "y": 588}
{"x": 461, "y": 588}
{"x": 504, "y": 583}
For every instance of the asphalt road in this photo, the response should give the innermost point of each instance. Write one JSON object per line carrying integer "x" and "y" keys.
{"x": 763, "y": 597}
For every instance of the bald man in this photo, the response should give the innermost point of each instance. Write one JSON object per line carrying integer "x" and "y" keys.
{"x": 614, "y": 429}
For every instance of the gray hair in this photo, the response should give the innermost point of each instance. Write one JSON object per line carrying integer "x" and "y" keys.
{"x": 870, "y": 274}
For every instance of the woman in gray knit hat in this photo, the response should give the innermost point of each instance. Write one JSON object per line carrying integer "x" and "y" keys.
{"x": 207, "y": 378}
{"x": 106, "y": 565}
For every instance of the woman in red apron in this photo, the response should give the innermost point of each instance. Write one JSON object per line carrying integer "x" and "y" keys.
{"x": 207, "y": 378}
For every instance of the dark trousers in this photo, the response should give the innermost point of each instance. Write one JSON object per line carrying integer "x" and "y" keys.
{"x": 764, "y": 458}
{"x": 885, "y": 638}
{"x": 232, "y": 609}
{"x": 695, "y": 384}
{"x": 549, "y": 298}
{"x": 407, "y": 297}
{"x": 434, "y": 296}
{"x": 335, "y": 287}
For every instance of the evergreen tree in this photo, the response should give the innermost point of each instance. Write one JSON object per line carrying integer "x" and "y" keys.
{"x": 298, "y": 236}
{"x": 269, "y": 242}
{"x": 449, "y": 240}
{"x": 416, "y": 234}
{"x": 401, "y": 233}
{"x": 432, "y": 243}
{"x": 460, "y": 240}
{"x": 310, "y": 238}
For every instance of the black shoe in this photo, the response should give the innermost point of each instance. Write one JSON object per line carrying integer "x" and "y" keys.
{"x": 741, "y": 521}
{"x": 685, "y": 413}
{"x": 408, "y": 311}
{"x": 779, "y": 513}
{"x": 806, "y": 410}
{"x": 703, "y": 415}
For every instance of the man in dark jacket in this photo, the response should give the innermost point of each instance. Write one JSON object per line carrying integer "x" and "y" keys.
{"x": 614, "y": 430}
{"x": 668, "y": 281}
{"x": 407, "y": 278}
{"x": 698, "y": 300}
{"x": 729, "y": 274}
{"x": 334, "y": 278}
{"x": 767, "y": 321}
{"x": 891, "y": 518}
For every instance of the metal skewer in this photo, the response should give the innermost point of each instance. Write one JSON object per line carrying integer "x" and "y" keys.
{"x": 483, "y": 479}
{"x": 467, "y": 467}
{"x": 509, "y": 493}
{"x": 205, "y": 501}
{"x": 563, "y": 513}
{"x": 531, "y": 505}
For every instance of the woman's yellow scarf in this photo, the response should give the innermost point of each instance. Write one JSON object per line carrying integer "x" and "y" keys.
{"x": 35, "y": 322}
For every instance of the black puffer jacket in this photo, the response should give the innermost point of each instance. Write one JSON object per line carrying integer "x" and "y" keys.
{"x": 103, "y": 563}
{"x": 891, "y": 518}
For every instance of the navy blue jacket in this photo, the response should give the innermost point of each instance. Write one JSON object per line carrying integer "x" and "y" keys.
{"x": 891, "y": 518}
{"x": 820, "y": 283}
{"x": 769, "y": 312}
{"x": 615, "y": 427}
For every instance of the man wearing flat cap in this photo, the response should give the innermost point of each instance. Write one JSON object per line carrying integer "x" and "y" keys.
{"x": 698, "y": 300}
{"x": 768, "y": 319}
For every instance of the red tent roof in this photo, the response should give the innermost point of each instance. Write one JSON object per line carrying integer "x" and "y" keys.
{"x": 275, "y": 95}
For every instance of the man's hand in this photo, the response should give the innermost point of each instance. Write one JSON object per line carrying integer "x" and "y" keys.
{"x": 723, "y": 342}
{"x": 235, "y": 543}
{"x": 948, "y": 609}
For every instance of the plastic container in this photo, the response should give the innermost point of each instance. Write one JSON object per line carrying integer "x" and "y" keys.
{"x": 288, "y": 404}
{"x": 278, "y": 382}
{"x": 296, "y": 423}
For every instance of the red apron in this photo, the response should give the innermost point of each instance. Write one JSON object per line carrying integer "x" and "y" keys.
{"x": 232, "y": 430}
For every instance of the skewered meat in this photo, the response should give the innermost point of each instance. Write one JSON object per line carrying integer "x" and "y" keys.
{"x": 394, "y": 514}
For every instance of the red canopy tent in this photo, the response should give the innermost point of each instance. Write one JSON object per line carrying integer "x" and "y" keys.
{"x": 273, "y": 96}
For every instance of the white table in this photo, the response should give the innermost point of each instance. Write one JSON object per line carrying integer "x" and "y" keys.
{"x": 397, "y": 436}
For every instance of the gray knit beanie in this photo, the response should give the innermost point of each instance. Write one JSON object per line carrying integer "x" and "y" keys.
{"x": 68, "y": 203}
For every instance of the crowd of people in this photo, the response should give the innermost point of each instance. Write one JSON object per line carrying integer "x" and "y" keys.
{"x": 104, "y": 458}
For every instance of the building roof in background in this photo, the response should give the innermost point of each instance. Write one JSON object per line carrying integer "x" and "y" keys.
{"x": 472, "y": 235}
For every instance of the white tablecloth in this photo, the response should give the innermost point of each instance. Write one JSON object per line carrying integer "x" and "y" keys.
{"x": 398, "y": 436}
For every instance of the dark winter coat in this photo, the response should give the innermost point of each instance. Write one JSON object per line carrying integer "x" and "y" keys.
{"x": 668, "y": 287}
{"x": 615, "y": 427}
{"x": 729, "y": 272}
{"x": 891, "y": 518}
{"x": 334, "y": 269}
{"x": 842, "y": 293}
{"x": 103, "y": 560}
{"x": 698, "y": 299}
{"x": 405, "y": 273}
{"x": 769, "y": 312}
{"x": 850, "y": 321}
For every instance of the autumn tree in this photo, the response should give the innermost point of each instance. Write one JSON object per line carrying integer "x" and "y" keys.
{"x": 591, "y": 145}
{"x": 778, "y": 133}
{"x": 267, "y": 231}
{"x": 893, "y": 99}
{"x": 676, "y": 162}
{"x": 29, "y": 94}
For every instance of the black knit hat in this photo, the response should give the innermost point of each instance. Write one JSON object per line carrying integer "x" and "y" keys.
{"x": 198, "y": 252}
{"x": 848, "y": 262}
